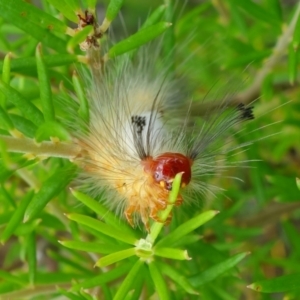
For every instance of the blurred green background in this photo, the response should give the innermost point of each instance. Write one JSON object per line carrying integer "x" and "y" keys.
{"x": 231, "y": 50}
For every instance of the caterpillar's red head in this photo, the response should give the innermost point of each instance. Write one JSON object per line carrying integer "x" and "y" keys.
{"x": 164, "y": 168}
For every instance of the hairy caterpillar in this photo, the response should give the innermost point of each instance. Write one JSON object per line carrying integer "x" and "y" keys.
{"x": 139, "y": 138}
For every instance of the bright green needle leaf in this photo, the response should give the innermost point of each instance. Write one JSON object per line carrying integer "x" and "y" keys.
{"x": 216, "y": 270}
{"x": 155, "y": 16}
{"x": 7, "y": 197}
{"x": 128, "y": 282}
{"x": 12, "y": 278}
{"x": 23, "y": 125}
{"x": 29, "y": 63}
{"x": 187, "y": 227}
{"x": 138, "y": 39}
{"x": 16, "y": 218}
{"x": 5, "y": 121}
{"x": 159, "y": 282}
{"x": 276, "y": 285}
{"x": 44, "y": 84}
{"x": 5, "y": 76}
{"x": 74, "y": 4}
{"x": 102, "y": 212}
{"x": 86, "y": 295}
{"x": 163, "y": 215}
{"x": 6, "y": 68}
{"x": 292, "y": 64}
{"x": 27, "y": 228}
{"x": 103, "y": 228}
{"x": 52, "y": 129}
{"x": 102, "y": 248}
{"x": 177, "y": 277}
{"x": 35, "y": 22}
{"x": 91, "y": 4}
{"x": 296, "y": 35}
{"x": 50, "y": 189}
{"x": 26, "y": 107}
{"x": 67, "y": 9}
{"x": 83, "y": 111}
{"x": 70, "y": 295}
{"x": 113, "y": 8}
{"x": 31, "y": 256}
{"x": 103, "y": 278}
{"x": 172, "y": 253}
{"x": 115, "y": 257}
{"x": 259, "y": 12}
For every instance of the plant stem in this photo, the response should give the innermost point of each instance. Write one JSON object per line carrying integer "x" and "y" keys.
{"x": 157, "y": 226}
{"x": 251, "y": 93}
{"x": 278, "y": 51}
{"x": 47, "y": 149}
{"x": 38, "y": 290}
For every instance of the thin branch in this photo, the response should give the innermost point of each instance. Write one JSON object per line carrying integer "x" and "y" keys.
{"x": 38, "y": 290}
{"x": 269, "y": 215}
{"x": 47, "y": 149}
{"x": 252, "y": 93}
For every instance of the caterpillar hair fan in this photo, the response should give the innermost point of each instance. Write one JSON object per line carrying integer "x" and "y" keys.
{"x": 139, "y": 137}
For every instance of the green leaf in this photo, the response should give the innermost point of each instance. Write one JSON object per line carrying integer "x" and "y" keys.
{"x": 113, "y": 8}
{"x": 23, "y": 125}
{"x": 172, "y": 253}
{"x": 29, "y": 63}
{"x": 27, "y": 228}
{"x": 5, "y": 121}
{"x": 159, "y": 282}
{"x": 155, "y": 16}
{"x": 103, "y": 228}
{"x": 31, "y": 256}
{"x": 84, "y": 266}
{"x": 70, "y": 295}
{"x": 26, "y": 107}
{"x": 50, "y": 189}
{"x": 12, "y": 278}
{"x": 115, "y": 257}
{"x": 138, "y": 39}
{"x": 128, "y": 282}
{"x": 5, "y": 76}
{"x": 102, "y": 248}
{"x": 259, "y": 12}
{"x": 6, "y": 68}
{"x": 91, "y": 4}
{"x": 296, "y": 35}
{"x": 177, "y": 277}
{"x": 7, "y": 196}
{"x": 216, "y": 270}
{"x": 292, "y": 64}
{"x": 74, "y": 5}
{"x": 67, "y": 8}
{"x": 83, "y": 111}
{"x": 187, "y": 227}
{"x": 102, "y": 211}
{"x": 163, "y": 215}
{"x": 106, "y": 277}
{"x": 35, "y": 22}
{"x": 86, "y": 295}
{"x": 276, "y": 285}
{"x": 52, "y": 129}
{"x": 16, "y": 218}
{"x": 44, "y": 84}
